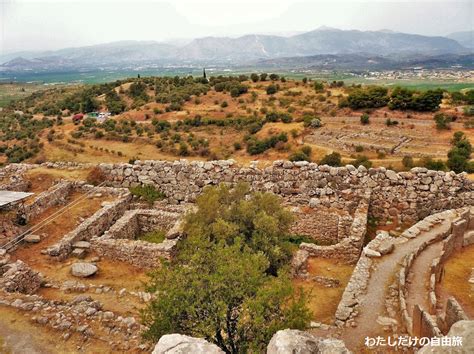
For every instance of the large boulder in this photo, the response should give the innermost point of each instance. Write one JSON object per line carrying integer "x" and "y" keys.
{"x": 463, "y": 329}
{"x": 181, "y": 344}
{"x": 300, "y": 342}
{"x": 83, "y": 270}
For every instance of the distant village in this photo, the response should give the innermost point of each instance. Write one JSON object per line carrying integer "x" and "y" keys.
{"x": 454, "y": 73}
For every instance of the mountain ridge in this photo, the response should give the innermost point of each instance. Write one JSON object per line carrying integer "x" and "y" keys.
{"x": 238, "y": 50}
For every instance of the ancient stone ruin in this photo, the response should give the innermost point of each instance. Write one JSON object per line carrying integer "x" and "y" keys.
{"x": 334, "y": 209}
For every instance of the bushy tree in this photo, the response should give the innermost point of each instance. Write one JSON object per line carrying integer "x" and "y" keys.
{"x": 332, "y": 159}
{"x": 318, "y": 86}
{"x": 442, "y": 121}
{"x": 228, "y": 282}
{"x": 460, "y": 153}
{"x": 274, "y": 77}
{"x": 405, "y": 99}
{"x": 368, "y": 97}
{"x": 271, "y": 89}
{"x": 254, "y": 77}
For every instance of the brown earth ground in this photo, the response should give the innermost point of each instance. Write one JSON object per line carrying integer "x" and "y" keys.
{"x": 16, "y": 332}
{"x": 323, "y": 301}
{"x": 455, "y": 283}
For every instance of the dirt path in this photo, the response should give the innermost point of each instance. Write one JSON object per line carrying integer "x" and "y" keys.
{"x": 418, "y": 279}
{"x": 373, "y": 303}
{"x": 18, "y": 335}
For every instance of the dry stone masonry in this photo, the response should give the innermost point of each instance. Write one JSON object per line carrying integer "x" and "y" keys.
{"x": 120, "y": 241}
{"x": 405, "y": 196}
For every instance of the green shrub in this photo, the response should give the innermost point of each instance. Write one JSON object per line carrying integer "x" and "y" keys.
{"x": 332, "y": 159}
{"x": 147, "y": 192}
{"x": 156, "y": 236}
{"x": 364, "y": 119}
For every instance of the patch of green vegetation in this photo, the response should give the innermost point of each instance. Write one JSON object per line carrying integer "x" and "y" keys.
{"x": 156, "y": 236}
{"x": 233, "y": 264}
{"x": 148, "y": 193}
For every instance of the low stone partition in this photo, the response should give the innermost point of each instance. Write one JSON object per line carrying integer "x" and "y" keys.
{"x": 55, "y": 195}
{"x": 452, "y": 239}
{"x": 95, "y": 225}
{"x": 347, "y": 250}
{"x": 137, "y": 221}
{"x": 141, "y": 254}
{"x": 120, "y": 241}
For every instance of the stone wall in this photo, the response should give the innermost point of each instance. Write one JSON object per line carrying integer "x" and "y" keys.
{"x": 417, "y": 322}
{"x": 406, "y": 196}
{"x": 138, "y": 253}
{"x": 55, "y": 195}
{"x": 325, "y": 225}
{"x": 137, "y": 221}
{"x": 119, "y": 242}
{"x": 11, "y": 177}
{"x": 95, "y": 225}
{"x": 350, "y": 247}
{"x": 19, "y": 277}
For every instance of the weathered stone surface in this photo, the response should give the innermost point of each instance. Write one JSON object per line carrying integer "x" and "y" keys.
{"x": 463, "y": 329}
{"x": 81, "y": 244}
{"x": 299, "y": 342}
{"x": 181, "y": 344}
{"x": 32, "y": 238}
{"x": 468, "y": 238}
{"x": 385, "y": 248}
{"x": 371, "y": 253}
{"x": 79, "y": 253}
{"x": 83, "y": 270}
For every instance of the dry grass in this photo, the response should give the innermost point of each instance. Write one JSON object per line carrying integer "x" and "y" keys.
{"x": 42, "y": 178}
{"x": 455, "y": 283}
{"x": 323, "y": 301}
{"x": 418, "y": 126}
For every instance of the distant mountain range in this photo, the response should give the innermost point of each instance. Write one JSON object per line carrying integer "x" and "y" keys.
{"x": 465, "y": 38}
{"x": 319, "y": 47}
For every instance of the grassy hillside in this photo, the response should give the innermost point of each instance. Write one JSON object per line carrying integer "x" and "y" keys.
{"x": 246, "y": 117}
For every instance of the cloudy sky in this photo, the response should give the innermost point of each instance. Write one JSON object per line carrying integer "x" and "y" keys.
{"x": 54, "y": 24}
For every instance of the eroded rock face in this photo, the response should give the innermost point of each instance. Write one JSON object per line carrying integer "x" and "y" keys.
{"x": 83, "y": 270}
{"x": 463, "y": 329}
{"x": 300, "y": 342}
{"x": 181, "y": 344}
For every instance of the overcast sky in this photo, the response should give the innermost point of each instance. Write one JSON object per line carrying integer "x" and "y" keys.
{"x": 54, "y": 24}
